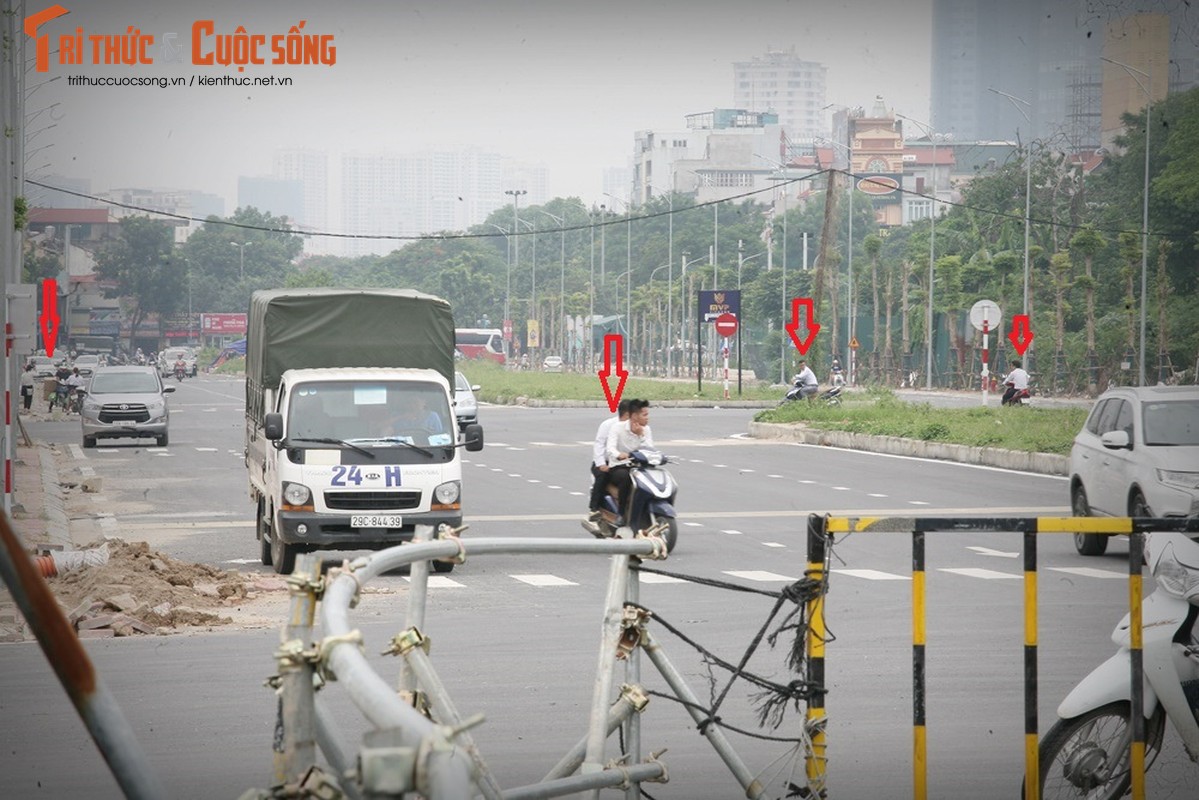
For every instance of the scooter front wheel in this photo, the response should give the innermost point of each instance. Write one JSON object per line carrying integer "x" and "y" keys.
{"x": 1087, "y": 755}
{"x": 671, "y": 534}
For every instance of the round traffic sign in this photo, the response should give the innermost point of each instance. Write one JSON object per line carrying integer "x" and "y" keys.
{"x": 726, "y": 324}
{"x": 985, "y": 310}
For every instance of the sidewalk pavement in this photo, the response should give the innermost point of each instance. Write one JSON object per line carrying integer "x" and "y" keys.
{"x": 39, "y": 518}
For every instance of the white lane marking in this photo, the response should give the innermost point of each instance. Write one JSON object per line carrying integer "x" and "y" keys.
{"x": 650, "y": 577}
{"x": 917, "y": 503}
{"x": 241, "y": 561}
{"x": 577, "y": 494}
{"x": 206, "y": 449}
{"x": 543, "y": 580}
{"x": 875, "y": 494}
{"x": 732, "y": 533}
{"x": 720, "y": 466}
{"x": 872, "y": 574}
{"x": 807, "y": 482}
{"x": 440, "y": 582}
{"x": 164, "y": 453}
{"x": 758, "y": 575}
{"x": 514, "y": 475}
{"x": 774, "y": 476}
{"x": 533, "y": 480}
{"x": 773, "y": 544}
{"x": 551, "y": 486}
{"x": 840, "y": 488}
{"x": 986, "y": 551}
{"x": 510, "y": 447}
{"x": 545, "y": 444}
{"x": 694, "y": 524}
{"x": 985, "y": 574}
{"x": 1091, "y": 572}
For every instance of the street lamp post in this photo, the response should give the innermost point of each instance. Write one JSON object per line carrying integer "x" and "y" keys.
{"x": 683, "y": 297}
{"x": 241, "y": 251}
{"x": 515, "y": 193}
{"x": 670, "y": 270}
{"x": 932, "y": 246}
{"x": 1017, "y": 103}
{"x": 628, "y": 217}
{"x": 1148, "y": 90}
{"x": 849, "y": 326}
{"x": 562, "y": 280}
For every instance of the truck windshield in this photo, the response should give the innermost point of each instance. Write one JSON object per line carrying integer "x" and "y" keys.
{"x": 377, "y": 414}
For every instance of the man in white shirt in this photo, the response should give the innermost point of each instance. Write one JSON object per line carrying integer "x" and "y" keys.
{"x": 599, "y": 460}
{"x": 806, "y": 380}
{"x": 623, "y": 439}
{"x": 1016, "y": 382}
{"x": 74, "y": 384}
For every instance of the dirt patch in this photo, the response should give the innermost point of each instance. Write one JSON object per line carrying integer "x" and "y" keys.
{"x": 141, "y": 591}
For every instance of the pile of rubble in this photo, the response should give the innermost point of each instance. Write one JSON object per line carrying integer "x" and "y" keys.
{"x": 141, "y": 591}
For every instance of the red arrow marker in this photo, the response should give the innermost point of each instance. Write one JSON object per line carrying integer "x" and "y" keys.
{"x": 1021, "y": 334}
{"x": 623, "y": 374}
{"x": 49, "y": 318}
{"x": 810, "y": 323}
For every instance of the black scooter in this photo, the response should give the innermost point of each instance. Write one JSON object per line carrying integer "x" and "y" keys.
{"x": 830, "y": 396}
{"x": 651, "y": 501}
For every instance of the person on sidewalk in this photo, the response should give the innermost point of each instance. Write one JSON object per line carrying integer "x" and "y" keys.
{"x": 27, "y": 381}
{"x": 599, "y": 464}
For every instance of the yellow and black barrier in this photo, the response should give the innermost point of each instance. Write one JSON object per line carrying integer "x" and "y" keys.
{"x": 821, "y": 531}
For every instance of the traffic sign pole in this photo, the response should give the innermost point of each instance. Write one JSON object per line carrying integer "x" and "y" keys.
{"x": 986, "y": 359}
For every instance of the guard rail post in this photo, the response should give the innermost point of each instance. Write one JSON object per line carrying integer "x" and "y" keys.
{"x": 817, "y": 764}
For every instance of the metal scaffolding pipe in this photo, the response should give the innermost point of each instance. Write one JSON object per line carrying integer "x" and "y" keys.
{"x": 719, "y": 742}
{"x": 329, "y": 738}
{"x": 449, "y": 768}
{"x": 446, "y": 713}
{"x": 618, "y": 575}
{"x": 633, "y": 678}
{"x": 620, "y": 711}
{"x": 616, "y": 776}
{"x": 296, "y": 721}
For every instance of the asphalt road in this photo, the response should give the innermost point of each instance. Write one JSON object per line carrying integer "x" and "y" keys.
{"x": 515, "y": 637}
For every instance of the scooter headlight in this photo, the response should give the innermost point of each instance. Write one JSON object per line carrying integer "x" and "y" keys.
{"x": 1176, "y": 578}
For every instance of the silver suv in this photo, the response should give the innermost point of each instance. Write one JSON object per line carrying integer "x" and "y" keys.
{"x": 125, "y": 401}
{"x": 1136, "y": 456}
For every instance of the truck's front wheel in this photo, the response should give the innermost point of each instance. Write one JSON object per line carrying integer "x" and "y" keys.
{"x": 264, "y": 536}
{"x": 283, "y": 555}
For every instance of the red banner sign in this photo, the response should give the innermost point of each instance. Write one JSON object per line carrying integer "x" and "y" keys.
{"x": 223, "y": 323}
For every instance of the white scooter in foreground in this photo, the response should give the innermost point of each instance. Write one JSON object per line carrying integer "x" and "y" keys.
{"x": 1086, "y": 753}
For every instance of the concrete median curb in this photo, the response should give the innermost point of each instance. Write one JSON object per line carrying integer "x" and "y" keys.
{"x": 1043, "y": 463}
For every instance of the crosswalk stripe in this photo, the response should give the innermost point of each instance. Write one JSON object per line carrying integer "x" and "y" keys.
{"x": 440, "y": 582}
{"x": 758, "y": 575}
{"x": 544, "y": 580}
{"x": 1091, "y": 572}
{"x": 986, "y": 574}
{"x": 872, "y": 574}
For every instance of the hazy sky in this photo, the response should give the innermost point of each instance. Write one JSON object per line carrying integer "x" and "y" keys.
{"x": 565, "y": 83}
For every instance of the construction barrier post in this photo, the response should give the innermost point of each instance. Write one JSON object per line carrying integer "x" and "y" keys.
{"x": 817, "y": 766}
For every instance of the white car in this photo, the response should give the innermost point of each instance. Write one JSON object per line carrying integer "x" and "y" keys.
{"x": 1136, "y": 456}
{"x": 466, "y": 406}
{"x": 552, "y": 364}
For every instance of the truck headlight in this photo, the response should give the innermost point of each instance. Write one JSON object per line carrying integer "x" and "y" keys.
{"x": 296, "y": 494}
{"x": 447, "y": 493}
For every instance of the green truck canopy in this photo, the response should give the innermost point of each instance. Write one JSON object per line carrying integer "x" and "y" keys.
{"x": 318, "y": 328}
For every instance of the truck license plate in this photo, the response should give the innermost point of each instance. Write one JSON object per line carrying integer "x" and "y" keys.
{"x": 376, "y": 521}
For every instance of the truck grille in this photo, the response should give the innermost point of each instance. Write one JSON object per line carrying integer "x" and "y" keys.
{"x": 372, "y": 501}
{"x": 124, "y": 412}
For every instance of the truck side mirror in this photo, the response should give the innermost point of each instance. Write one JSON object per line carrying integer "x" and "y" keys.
{"x": 473, "y": 434}
{"x": 272, "y": 427}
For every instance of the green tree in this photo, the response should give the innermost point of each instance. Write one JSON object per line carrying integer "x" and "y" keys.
{"x": 144, "y": 266}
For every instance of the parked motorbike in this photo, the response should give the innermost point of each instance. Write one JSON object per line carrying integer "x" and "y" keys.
{"x": 1086, "y": 752}
{"x": 651, "y": 502}
{"x": 830, "y": 396}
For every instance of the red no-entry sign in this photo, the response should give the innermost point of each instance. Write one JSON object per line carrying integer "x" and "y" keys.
{"x": 726, "y": 325}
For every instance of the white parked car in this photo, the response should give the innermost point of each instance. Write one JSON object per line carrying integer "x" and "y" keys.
{"x": 552, "y": 364}
{"x": 466, "y": 405}
{"x": 1136, "y": 456}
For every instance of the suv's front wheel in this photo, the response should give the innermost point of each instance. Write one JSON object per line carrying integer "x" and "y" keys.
{"x": 1087, "y": 544}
